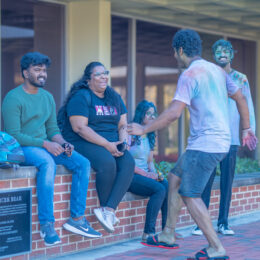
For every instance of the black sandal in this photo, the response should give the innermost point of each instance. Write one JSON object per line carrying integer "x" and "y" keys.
{"x": 153, "y": 242}
{"x": 203, "y": 255}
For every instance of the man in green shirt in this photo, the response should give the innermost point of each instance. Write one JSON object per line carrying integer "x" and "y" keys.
{"x": 29, "y": 115}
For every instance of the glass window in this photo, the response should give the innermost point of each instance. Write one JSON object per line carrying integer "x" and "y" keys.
{"x": 207, "y": 42}
{"x": 28, "y": 26}
{"x": 119, "y": 56}
{"x": 157, "y": 71}
{"x": 156, "y": 79}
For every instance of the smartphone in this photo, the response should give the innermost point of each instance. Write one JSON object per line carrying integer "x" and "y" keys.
{"x": 67, "y": 149}
{"x": 121, "y": 147}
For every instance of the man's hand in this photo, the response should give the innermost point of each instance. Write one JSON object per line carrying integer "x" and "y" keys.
{"x": 249, "y": 139}
{"x": 135, "y": 129}
{"x": 68, "y": 149}
{"x": 53, "y": 148}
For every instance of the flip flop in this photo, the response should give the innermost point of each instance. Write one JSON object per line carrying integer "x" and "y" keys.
{"x": 153, "y": 242}
{"x": 203, "y": 255}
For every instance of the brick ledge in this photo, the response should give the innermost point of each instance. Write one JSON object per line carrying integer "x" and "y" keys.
{"x": 30, "y": 172}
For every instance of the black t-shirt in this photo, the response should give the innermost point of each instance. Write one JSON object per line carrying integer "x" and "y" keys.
{"x": 102, "y": 118}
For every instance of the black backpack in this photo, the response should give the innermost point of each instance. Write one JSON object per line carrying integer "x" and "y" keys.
{"x": 61, "y": 118}
{"x": 11, "y": 153}
{"x": 62, "y": 113}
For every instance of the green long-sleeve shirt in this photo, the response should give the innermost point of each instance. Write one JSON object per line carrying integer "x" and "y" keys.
{"x": 30, "y": 118}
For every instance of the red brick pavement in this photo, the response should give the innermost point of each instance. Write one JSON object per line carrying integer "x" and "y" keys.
{"x": 244, "y": 245}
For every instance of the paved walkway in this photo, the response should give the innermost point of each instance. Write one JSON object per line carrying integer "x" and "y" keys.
{"x": 244, "y": 245}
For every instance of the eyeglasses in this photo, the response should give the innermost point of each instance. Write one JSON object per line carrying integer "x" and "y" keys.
{"x": 99, "y": 74}
{"x": 151, "y": 114}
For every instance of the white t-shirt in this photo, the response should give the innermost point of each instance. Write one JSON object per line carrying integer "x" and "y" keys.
{"x": 234, "y": 118}
{"x": 205, "y": 87}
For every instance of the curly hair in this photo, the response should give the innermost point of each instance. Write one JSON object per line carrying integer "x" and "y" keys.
{"x": 111, "y": 98}
{"x": 34, "y": 58}
{"x": 223, "y": 43}
{"x": 139, "y": 116}
{"x": 189, "y": 40}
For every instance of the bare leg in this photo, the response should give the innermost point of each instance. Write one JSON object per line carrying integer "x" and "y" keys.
{"x": 174, "y": 207}
{"x": 201, "y": 216}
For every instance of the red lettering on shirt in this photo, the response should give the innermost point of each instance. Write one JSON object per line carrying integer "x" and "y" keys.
{"x": 106, "y": 111}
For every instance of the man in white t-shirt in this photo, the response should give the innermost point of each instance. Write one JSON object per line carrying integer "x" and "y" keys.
{"x": 204, "y": 88}
{"x": 223, "y": 53}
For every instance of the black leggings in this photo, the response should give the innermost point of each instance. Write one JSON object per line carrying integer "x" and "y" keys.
{"x": 113, "y": 174}
{"x": 158, "y": 193}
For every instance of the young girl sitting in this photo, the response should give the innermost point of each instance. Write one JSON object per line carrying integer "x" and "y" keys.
{"x": 146, "y": 181}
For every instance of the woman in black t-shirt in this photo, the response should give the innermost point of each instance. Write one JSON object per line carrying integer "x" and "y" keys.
{"x": 93, "y": 119}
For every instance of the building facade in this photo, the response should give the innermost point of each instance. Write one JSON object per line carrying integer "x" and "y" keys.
{"x": 133, "y": 40}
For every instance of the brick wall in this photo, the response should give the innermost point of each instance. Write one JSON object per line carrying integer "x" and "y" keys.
{"x": 130, "y": 212}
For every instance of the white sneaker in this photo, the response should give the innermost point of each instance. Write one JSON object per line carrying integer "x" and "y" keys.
{"x": 116, "y": 220}
{"x": 225, "y": 230}
{"x": 196, "y": 231}
{"x": 106, "y": 219}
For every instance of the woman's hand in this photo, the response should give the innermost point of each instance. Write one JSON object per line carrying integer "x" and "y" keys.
{"x": 152, "y": 175}
{"x": 112, "y": 148}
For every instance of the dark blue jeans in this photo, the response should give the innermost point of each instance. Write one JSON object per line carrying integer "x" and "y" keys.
{"x": 227, "y": 169}
{"x": 158, "y": 193}
{"x": 46, "y": 165}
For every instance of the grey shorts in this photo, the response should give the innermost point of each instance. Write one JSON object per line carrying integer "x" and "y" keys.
{"x": 195, "y": 168}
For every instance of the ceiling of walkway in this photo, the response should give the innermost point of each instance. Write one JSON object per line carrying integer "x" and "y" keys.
{"x": 237, "y": 18}
{"x": 240, "y": 18}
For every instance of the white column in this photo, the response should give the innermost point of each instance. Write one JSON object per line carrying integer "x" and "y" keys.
{"x": 131, "y": 73}
{"x": 0, "y": 73}
{"x": 257, "y": 109}
{"x": 88, "y": 36}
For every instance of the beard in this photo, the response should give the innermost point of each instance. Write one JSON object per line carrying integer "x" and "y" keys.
{"x": 222, "y": 64}
{"x": 181, "y": 65}
{"x": 38, "y": 83}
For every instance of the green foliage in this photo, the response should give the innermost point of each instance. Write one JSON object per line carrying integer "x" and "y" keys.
{"x": 247, "y": 165}
{"x": 164, "y": 167}
{"x": 243, "y": 165}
